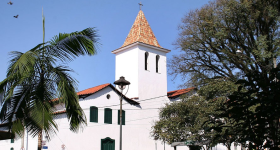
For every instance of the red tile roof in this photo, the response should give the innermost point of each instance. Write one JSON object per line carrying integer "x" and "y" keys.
{"x": 59, "y": 112}
{"x": 93, "y": 89}
{"x": 176, "y": 93}
{"x": 90, "y": 91}
{"x": 141, "y": 32}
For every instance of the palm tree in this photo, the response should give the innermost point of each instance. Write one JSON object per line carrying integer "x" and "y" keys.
{"x": 34, "y": 78}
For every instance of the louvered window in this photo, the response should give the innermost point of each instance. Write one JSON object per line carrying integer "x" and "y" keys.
{"x": 108, "y": 115}
{"x": 93, "y": 114}
{"x": 123, "y": 117}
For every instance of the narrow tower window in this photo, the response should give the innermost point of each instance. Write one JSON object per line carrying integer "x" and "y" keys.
{"x": 157, "y": 60}
{"x": 146, "y": 60}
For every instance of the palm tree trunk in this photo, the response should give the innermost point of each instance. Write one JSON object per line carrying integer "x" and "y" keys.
{"x": 40, "y": 140}
{"x": 22, "y": 139}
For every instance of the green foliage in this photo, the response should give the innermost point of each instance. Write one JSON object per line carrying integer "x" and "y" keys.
{"x": 210, "y": 37}
{"x": 195, "y": 118}
{"x": 235, "y": 40}
{"x": 260, "y": 102}
{"x": 35, "y": 77}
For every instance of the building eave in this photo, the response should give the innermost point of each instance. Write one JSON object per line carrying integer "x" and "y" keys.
{"x": 178, "y": 93}
{"x": 140, "y": 44}
{"x": 85, "y": 93}
{"x": 5, "y": 135}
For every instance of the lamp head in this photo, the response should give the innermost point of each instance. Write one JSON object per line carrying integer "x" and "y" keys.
{"x": 122, "y": 83}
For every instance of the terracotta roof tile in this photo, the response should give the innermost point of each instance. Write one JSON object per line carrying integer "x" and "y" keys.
{"x": 93, "y": 89}
{"x": 176, "y": 93}
{"x": 141, "y": 32}
{"x": 90, "y": 91}
{"x": 59, "y": 112}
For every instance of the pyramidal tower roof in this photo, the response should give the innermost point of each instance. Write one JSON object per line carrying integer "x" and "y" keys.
{"x": 141, "y": 32}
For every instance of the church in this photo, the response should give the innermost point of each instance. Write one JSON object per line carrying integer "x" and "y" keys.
{"x": 142, "y": 62}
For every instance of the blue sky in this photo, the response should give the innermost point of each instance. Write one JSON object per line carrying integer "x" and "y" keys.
{"x": 113, "y": 20}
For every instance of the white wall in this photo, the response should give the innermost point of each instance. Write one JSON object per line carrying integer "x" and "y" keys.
{"x": 130, "y": 63}
{"x": 151, "y": 83}
{"x": 126, "y": 65}
{"x": 136, "y": 131}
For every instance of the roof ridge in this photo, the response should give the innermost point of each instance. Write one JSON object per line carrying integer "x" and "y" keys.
{"x": 176, "y": 93}
{"x": 181, "y": 89}
{"x": 87, "y": 92}
{"x": 105, "y": 85}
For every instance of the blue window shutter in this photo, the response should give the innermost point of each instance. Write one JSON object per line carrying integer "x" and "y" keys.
{"x": 12, "y": 140}
{"x": 93, "y": 114}
{"x": 108, "y": 115}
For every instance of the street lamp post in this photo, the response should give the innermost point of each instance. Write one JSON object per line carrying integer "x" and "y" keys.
{"x": 121, "y": 84}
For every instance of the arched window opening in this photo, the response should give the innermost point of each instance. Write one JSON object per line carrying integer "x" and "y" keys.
{"x": 146, "y": 60}
{"x": 157, "y": 62}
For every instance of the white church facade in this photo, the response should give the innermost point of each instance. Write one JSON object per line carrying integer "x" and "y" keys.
{"x": 145, "y": 68}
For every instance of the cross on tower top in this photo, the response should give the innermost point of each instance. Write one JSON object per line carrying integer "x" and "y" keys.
{"x": 140, "y": 5}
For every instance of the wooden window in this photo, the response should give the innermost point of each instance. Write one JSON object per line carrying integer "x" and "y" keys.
{"x": 146, "y": 60}
{"x": 123, "y": 117}
{"x": 108, "y": 115}
{"x": 93, "y": 114}
{"x": 157, "y": 60}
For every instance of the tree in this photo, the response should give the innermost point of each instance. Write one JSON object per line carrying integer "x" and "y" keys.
{"x": 211, "y": 36}
{"x": 182, "y": 121}
{"x": 194, "y": 117}
{"x": 34, "y": 78}
{"x": 233, "y": 40}
{"x": 260, "y": 102}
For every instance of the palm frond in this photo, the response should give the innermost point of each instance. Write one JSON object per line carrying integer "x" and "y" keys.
{"x": 23, "y": 62}
{"x": 66, "y": 88}
{"x": 67, "y": 46}
{"x": 33, "y": 79}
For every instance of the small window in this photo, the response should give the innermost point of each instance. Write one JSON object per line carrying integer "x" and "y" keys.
{"x": 108, "y": 96}
{"x": 12, "y": 140}
{"x": 146, "y": 60}
{"x": 12, "y": 148}
{"x": 157, "y": 60}
{"x": 108, "y": 115}
{"x": 93, "y": 114}
{"x": 123, "y": 117}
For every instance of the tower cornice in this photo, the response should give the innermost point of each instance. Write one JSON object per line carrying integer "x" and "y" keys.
{"x": 140, "y": 44}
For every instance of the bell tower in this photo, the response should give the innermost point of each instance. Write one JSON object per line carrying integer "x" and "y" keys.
{"x": 142, "y": 61}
